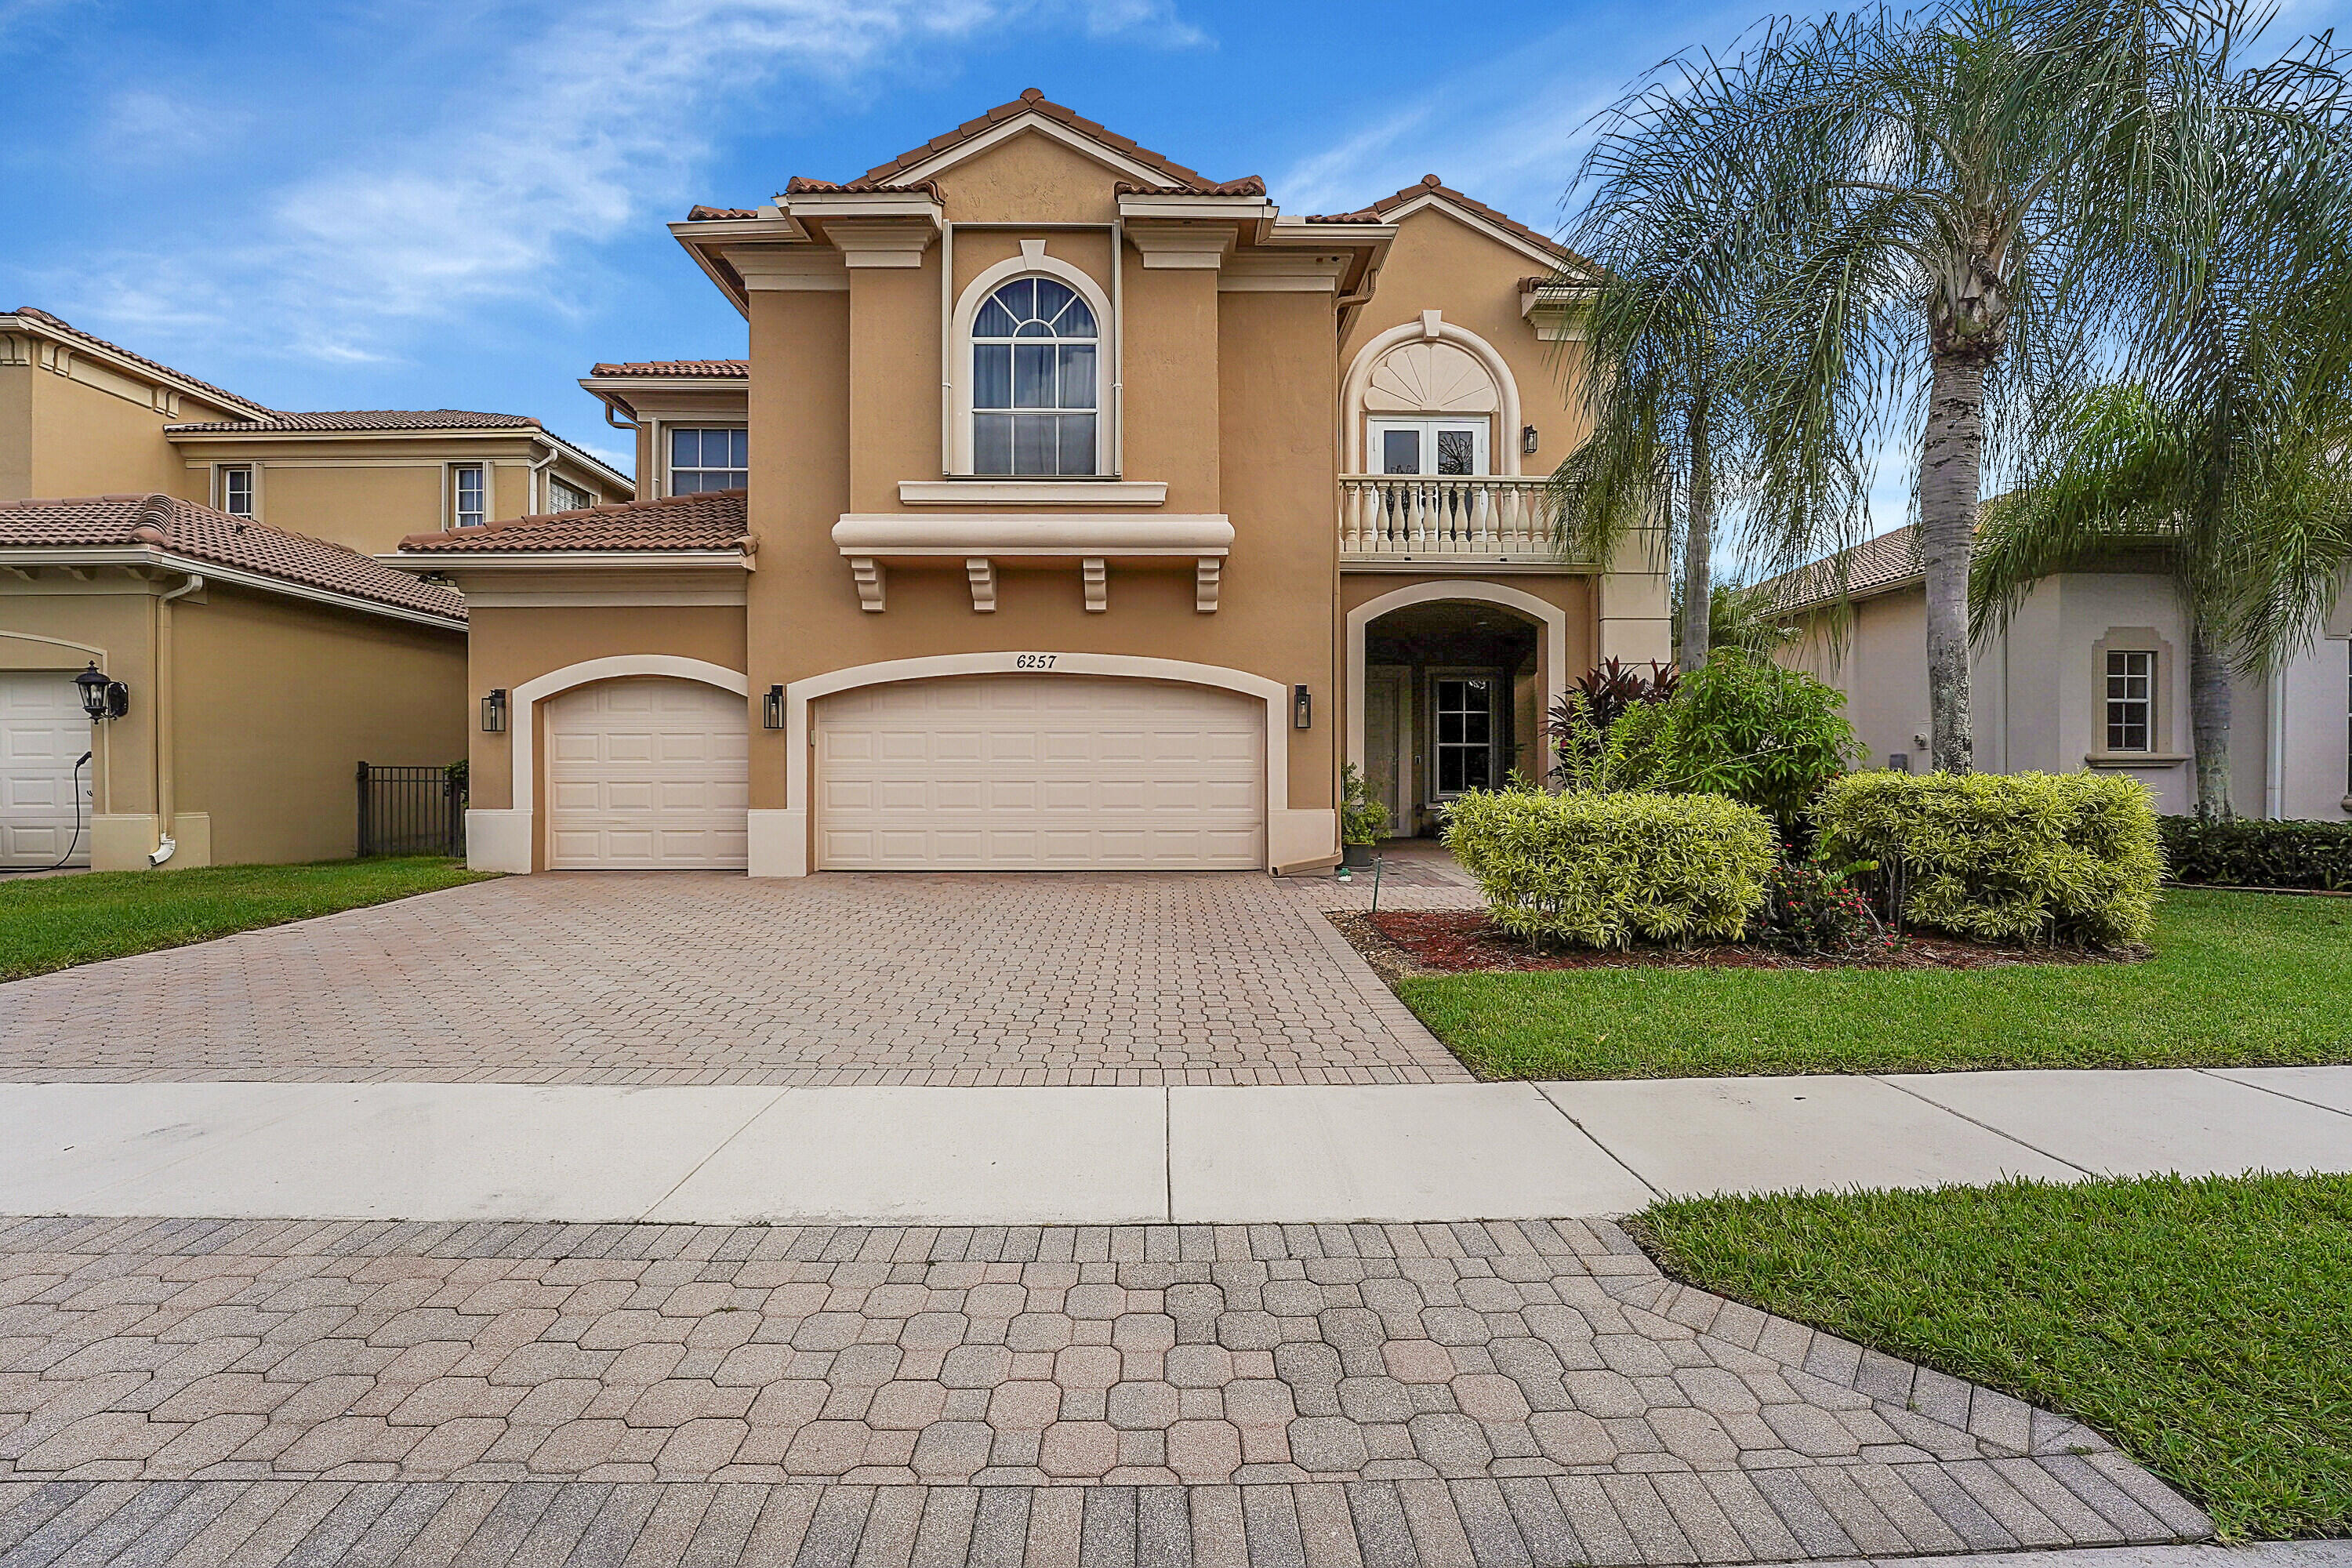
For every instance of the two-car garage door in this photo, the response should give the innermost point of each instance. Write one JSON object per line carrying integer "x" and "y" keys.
{"x": 1020, "y": 773}
{"x": 976, "y": 773}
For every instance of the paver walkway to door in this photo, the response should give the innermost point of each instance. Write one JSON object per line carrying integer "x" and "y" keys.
{"x": 1357, "y": 1396}
{"x": 689, "y": 978}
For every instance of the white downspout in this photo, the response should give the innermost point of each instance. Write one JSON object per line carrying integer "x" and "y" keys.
{"x": 2274, "y": 745}
{"x": 166, "y": 793}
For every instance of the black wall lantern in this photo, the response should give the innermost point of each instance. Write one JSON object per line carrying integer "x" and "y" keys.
{"x": 100, "y": 698}
{"x": 1302, "y": 709}
{"x": 1528, "y": 440}
{"x": 494, "y": 712}
{"x": 771, "y": 711}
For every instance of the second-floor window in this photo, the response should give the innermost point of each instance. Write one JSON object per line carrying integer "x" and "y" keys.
{"x": 1034, "y": 400}
{"x": 2131, "y": 701}
{"x": 237, "y": 491}
{"x": 470, "y": 495}
{"x": 708, "y": 461}
{"x": 562, "y": 497}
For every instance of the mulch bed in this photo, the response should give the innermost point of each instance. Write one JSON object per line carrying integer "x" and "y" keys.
{"x": 1400, "y": 942}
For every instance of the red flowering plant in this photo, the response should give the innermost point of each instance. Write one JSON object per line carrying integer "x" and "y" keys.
{"x": 1814, "y": 910}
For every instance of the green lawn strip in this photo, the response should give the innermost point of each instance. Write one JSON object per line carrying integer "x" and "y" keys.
{"x": 2238, "y": 980}
{"x": 55, "y": 922}
{"x": 2204, "y": 1326}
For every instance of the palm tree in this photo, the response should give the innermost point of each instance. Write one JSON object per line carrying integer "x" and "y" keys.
{"x": 1660, "y": 382}
{"x": 1905, "y": 206}
{"x": 2232, "y": 464}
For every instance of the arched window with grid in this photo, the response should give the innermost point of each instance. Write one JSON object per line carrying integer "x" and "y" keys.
{"x": 1034, "y": 348}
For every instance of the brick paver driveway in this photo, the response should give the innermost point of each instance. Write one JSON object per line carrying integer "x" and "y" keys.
{"x": 1227, "y": 978}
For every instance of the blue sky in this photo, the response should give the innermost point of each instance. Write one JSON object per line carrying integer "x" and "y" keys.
{"x": 345, "y": 205}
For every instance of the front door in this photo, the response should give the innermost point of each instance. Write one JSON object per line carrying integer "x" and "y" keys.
{"x": 1387, "y": 721}
{"x": 1465, "y": 720}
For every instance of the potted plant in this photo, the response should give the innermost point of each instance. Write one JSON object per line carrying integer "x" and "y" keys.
{"x": 1361, "y": 817}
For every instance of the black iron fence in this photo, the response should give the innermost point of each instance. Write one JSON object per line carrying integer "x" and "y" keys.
{"x": 411, "y": 810}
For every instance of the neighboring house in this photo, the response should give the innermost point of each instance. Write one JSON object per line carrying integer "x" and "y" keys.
{"x": 1071, "y": 510}
{"x": 79, "y": 416}
{"x": 260, "y": 667}
{"x": 2093, "y": 671}
{"x": 297, "y": 657}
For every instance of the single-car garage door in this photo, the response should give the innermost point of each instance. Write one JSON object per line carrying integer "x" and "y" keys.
{"x": 42, "y": 730}
{"x": 1040, "y": 773}
{"x": 647, "y": 775}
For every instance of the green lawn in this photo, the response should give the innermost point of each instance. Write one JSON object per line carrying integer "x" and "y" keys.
{"x": 2204, "y": 1327}
{"x": 55, "y": 922}
{"x": 2238, "y": 980}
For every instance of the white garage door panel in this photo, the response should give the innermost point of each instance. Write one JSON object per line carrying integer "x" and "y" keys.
{"x": 43, "y": 731}
{"x": 1041, "y": 773}
{"x": 646, "y": 774}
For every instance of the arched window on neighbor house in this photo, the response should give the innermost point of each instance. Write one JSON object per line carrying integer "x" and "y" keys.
{"x": 1034, "y": 399}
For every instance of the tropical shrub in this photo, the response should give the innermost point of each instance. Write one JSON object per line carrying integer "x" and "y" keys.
{"x": 2038, "y": 857}
{"x": 1753, "y": 729}
{"x": 2314, "y": 854}
{"x": 1813, "y": 908}
{"x": 1596, "y": 868}
{"x": 1361, "y": 814}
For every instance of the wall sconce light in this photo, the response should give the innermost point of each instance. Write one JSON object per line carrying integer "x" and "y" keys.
{"x": 494, "y": 712}
{"x": 1302, "y": 709}
{"x": 772, "y": 714}
{"x": 100, "y": 698}
{"x": 1527, "y": 441}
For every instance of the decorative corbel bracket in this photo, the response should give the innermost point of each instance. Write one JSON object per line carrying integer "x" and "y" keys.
{"x": 1097, "y": 573}
{"x": 868, "y": 573}
{"x": 981, "y": 571}
{"x": 1206, "y": 572}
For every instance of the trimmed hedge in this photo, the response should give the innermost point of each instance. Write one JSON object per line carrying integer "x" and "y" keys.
{"x": 2068, "y": 857}
{"x": 1599, "y": 869}
{"x": 2311, "y": 854}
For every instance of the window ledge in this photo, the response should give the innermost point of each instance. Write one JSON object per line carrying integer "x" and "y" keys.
{"x": 2134, "y": 759}
{"x": 973, "y": 491}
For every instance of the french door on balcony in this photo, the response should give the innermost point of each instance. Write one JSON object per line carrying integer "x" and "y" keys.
{"x": 1445, "y": 447}
{"x": 1465, "y": 730}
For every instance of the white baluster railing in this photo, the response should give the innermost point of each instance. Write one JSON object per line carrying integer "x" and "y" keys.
{"x": 1483, "y": 517}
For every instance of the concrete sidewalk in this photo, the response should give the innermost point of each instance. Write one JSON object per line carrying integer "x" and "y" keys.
{"x": 1024, "y": 1156}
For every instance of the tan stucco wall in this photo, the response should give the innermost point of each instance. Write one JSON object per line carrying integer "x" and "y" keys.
{"x": 89, "y": 441}
{"x": 366, "y": 509}
{"x": 277, "y": 701}
{"x": 15, "y": 431}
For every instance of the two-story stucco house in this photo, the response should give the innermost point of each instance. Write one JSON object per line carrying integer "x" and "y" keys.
{"x": 1071, "y": 510}
{"x": 212, "y": 556}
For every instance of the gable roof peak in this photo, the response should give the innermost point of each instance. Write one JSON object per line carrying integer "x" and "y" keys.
{"x": 1034, "y": 102}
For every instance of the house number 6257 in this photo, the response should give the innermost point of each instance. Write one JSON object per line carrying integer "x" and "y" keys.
{"x": 1033, "y": 661}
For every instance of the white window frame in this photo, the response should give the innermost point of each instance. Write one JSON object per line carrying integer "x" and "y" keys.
{"x": 1497, "y": 690}
{"x": 2110, "y": 701}
{"x": 222, "y": 474}
{"x": 1032, "y": 261}
{"x": 1480, "y": 426}
{"x": 669, "y": 471}
{"x": 456, "y": 492}
{"x": 587, "y": 498}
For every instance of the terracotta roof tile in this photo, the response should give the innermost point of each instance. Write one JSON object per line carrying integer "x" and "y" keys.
{"x": 367, "y": 420}
{"x": 733, "y": 369}
{"x": 1886, "y": 561}
{"x": 199, "y": 534}
{"x": 802, "y": 184}
{"x": 713, "y": 520}
{"x": 1248, "y": 185}
{"x": 714, "y": 214}
{"x": 66, "y": 330}
{"x": 1034, "y": 102}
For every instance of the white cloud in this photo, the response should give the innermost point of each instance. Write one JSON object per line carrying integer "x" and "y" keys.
{"x": 559, "y": 141}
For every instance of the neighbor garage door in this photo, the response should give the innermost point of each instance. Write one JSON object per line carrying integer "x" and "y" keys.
{"x": 646, "y": 774}
{"x": 1040, "y": 773}
{"x": 42, "y": 730}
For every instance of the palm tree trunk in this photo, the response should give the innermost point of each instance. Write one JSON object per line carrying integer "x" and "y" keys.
{"x": 2209, "y": 724}
{"x": 1951, "y": 461}
{"x": 1698, "y": 545}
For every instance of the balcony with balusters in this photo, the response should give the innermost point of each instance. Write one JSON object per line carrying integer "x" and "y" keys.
{"x": 1419, "y": 520}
